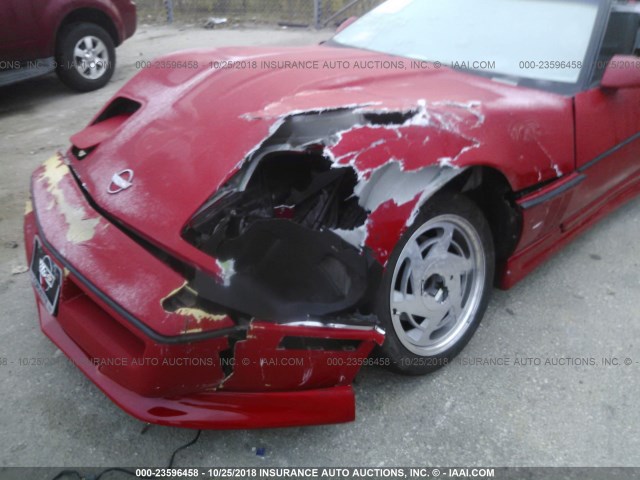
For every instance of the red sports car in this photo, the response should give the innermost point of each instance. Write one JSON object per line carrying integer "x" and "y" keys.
{"x": 232, "y": 236}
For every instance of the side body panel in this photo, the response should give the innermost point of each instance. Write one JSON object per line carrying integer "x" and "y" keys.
{"x": 607, "y": 147}
{"x": 607, "y": 175}
{"x": 20, "y": 24}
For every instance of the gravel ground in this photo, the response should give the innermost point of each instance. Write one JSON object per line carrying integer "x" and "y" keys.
{"x": 583, "y": 303}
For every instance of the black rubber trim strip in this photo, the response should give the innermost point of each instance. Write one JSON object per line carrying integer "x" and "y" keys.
{"x": 189, "y": 338}
{"x": 611, "y": 151}
{"x": 554, "y": 193}
{"x": 563, "y": 188}
{"x": 180, "y": 267}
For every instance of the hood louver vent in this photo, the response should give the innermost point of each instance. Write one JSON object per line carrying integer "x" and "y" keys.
{"x": 118, "y": 112}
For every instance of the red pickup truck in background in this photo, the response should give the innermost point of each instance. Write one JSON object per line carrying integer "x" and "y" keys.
{"x": 75, "y": 38}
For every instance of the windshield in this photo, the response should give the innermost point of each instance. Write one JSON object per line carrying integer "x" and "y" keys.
{"x": 533, "y": 39}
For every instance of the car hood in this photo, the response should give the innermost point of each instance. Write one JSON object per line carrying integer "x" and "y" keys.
{"x": 203, "y": 113}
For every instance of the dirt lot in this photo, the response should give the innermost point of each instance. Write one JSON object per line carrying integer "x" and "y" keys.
{"x": 584, "y": 303}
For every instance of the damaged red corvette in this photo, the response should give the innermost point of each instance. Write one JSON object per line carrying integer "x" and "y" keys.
{"x": 228, "y": 241}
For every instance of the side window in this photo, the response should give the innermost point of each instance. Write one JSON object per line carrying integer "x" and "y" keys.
{"x": 622, "y": 38}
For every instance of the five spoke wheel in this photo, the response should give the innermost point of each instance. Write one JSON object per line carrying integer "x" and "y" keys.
{"x": 437, "y": 284}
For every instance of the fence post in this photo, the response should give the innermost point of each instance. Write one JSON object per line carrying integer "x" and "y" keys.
{"x": 169, "y": 6}
{"x": 317, "y": 14}
{"x": 352, "y": 3}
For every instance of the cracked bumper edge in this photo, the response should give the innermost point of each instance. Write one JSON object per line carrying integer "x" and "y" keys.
{"x": 213, "y": 410}
{"x": 244, "y": 402}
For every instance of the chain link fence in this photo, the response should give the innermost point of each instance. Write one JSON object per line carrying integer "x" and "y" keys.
{"x": 334, "y": 12}
{"x": 212, "y": 13}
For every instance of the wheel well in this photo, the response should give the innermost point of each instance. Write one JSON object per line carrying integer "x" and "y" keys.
{"x": 91, "y": 15}
{"x": 491, "y": 192}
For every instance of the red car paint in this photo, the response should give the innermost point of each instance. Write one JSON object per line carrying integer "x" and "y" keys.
{"x": 567, "y": 159}
{"x": 540, "y": 122}
{"x": 163, "y": 382}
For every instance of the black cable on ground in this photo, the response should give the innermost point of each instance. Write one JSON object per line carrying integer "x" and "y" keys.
{"x": 186, "y": 445}
{"x": 65, "y": 473}
{"x": 77, "y": 474}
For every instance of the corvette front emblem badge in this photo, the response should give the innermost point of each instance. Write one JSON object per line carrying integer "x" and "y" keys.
{"x": 121, "y": 181}
{"x": 45, "y": 271}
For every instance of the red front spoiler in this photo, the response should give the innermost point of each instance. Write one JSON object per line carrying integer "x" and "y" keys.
{"x": 213, "y": 410}
{"x": 218, "y": 379}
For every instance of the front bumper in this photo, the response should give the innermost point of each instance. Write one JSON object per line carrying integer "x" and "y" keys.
{"x": 181, "y": 369}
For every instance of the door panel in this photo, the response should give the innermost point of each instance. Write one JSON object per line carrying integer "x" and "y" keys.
{"x": 607, "y": 145}
{"x": 607, "y": 125}
{"x": 18, "y": 29}
{"x": 604, "y": 120}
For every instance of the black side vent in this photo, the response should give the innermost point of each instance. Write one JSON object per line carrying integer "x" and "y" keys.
{"x": 114, "y": 116}
{"x": 120, "y": 106}
{"x": 80, "y": 153}
{"x": 315, "y": 343}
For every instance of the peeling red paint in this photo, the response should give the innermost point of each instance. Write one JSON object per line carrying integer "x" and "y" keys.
{"x": 414, "y": 146}
{"x": 386, "y": 225}
{"x": 259, "y": 359}
{"x": 169, "y": 144}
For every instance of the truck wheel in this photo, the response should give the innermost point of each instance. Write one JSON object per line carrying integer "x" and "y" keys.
{"x": 86, "y": 57}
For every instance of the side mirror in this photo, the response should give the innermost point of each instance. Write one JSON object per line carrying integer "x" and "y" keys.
{"x": 346, "y": 23}
{"x": 623, "y": 71}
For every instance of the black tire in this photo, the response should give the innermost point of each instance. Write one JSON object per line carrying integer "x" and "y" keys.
{"x": 443, "y": 206}
{"x": 67, "y": 61}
